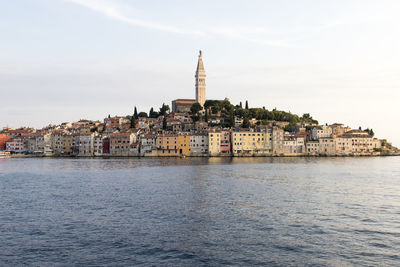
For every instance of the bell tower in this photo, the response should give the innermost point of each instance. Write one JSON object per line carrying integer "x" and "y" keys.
{"x": 200, "y": 81}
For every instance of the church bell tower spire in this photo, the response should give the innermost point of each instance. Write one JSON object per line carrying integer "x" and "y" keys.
{"x": 200, "y": 81}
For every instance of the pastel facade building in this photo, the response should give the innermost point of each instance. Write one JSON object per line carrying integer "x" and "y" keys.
{"x": 293, "y": 145}
{"x": 321, "y": 132}
{"x": 68, "y": 148}
{"x": 249, "y": 143}
{"x": 167, "y": 145}
{"x": 15, "y": 145}
{"x": 343, "y": 145}
{"x": 327, "y": 146}
{"x": 184, "y": 144}
{"x": 226, "y": 144}
{"x": 199, "y": 144}
{"x": 148, "y": 145}
{"x": 277, "y": 141}
{"x": 312, "y": 148}
{"x": 214, "y": 143}
{"x": 120, "y": 143}
{"x": 361, "y": 142}
{"x": 339, "y": 129}
{"x": 97, "y": 145}
{"x": 85, "y": 145}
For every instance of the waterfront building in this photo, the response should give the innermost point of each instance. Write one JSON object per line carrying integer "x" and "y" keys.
{"x": 97, "y": 145}
{"x": 30, "y": 143}
{"x": 15, "y": 145}
{"x": 39, "y": 143}
{"x": 148, "y": 145}
{"x": 184, "y": 144}
{"x": 57, "y": 143}
{"x": 327, "y": 146}
{"x": 167, "y": 145}
{"x": 134, "y": 149}
{"x": 293, "y": 145}
{"x": 226, "y": 148}
{"x": 312, "y": 147}
{"x": 106, "y": 145}
{"x": 85, "y": 145}
{"x": 48, "y": 144}
{"x": 361, "y": 141}
{"x": 249, "y": 143}
{"x": 199, "y": 144}
{"x": 343, "y": 145}
{"x": 120, "y": 143}
{"x": 214, "y": 143}
{"x": 277, "y": 141}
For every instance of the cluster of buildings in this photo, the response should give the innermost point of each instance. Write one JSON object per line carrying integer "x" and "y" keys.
{"x": 114, "y": 137}
{"x": 176, "y": 134}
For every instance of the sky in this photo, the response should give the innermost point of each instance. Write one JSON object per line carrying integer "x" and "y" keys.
{"x": 64, "y": 60}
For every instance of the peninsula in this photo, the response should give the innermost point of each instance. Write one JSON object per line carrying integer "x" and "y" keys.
{"x": 196, "y": 127}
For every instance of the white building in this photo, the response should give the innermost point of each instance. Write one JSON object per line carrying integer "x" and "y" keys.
{"x": 199, "y": 144}
{"x": 148, "y": 145}
{"x": 321, "y": 132}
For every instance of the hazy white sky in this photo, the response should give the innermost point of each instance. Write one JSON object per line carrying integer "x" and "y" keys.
{"x": 62, "y": 60}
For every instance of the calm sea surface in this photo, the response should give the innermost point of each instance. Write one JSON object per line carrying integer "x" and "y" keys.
{"x": 200, "y": 212}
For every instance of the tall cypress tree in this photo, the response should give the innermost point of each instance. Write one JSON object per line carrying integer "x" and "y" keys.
{"x": 164, "y": 123}
{"x": 240, "y": 104}
{"x": 247, "y": 105}
{"x": 135, "y": 114}
{"x": 133, "y": 122}
{"x": 232, "y": 119}
{"x": 206, "y": 116}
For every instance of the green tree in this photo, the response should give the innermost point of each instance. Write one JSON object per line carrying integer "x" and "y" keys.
{"x": 164, "y": 123}
{"x": 370, "y": 132}
{"x": 246, "y": 122}
{"x": 135, "y": 114}
{"x": 232, "y": 119}
{"x": 206, "y": 116}
{"x": 240, "y": 104}
{"x": 194, "y": 110}
{"x": 133, "y": 122}
{"x": 164, "y": 109}
{"x": 247, "y": 105}
{"x": 153, "y": 114}
{"x": 142, "y": 114}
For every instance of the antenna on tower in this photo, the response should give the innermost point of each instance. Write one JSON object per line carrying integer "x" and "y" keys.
{"x": 200, "y": 53}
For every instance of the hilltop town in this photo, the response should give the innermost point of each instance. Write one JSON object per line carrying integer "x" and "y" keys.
{"x": 196, "y": 127}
